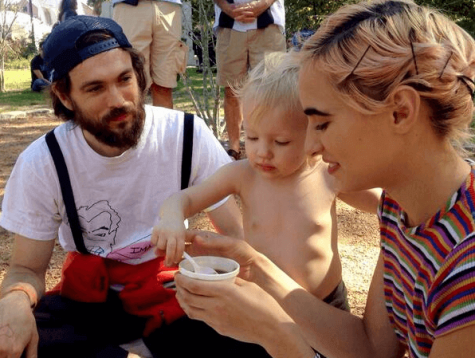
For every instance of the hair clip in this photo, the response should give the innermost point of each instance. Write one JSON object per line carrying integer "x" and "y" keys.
{"x": 464, "y": 79}
{"x": 359, "y": 61}
{"x": 446, "y": 63}
{"x": 414, "y": 58}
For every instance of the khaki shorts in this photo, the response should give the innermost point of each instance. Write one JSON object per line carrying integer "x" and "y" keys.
{"x": 154, "y": 29}
{"x": 238, "y": 52}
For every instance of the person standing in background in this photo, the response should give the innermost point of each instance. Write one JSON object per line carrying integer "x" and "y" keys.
{"x": 154, "y": 29}
{"x": 246, "y": 30}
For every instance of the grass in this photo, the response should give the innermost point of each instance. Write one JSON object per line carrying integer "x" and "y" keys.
{"x": 18, "y": 95}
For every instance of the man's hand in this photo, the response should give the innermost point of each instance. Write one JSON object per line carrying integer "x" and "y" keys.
{"x": 18, "y": 331}
{"x": 249, "y": 12}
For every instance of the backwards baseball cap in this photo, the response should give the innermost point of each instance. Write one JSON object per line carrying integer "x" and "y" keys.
{"x": 61, "y": 53}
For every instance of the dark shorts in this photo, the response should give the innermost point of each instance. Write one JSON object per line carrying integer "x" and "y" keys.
{"x": 95, "y": 330}
{"x": 338, "y": 297}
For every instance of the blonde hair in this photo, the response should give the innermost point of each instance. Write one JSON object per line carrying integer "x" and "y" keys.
{"x": 369, "y": 49}
{"x": 272, "y": 83}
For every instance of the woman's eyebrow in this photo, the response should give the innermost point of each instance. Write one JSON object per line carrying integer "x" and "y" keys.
{"x": 315, "y": 112}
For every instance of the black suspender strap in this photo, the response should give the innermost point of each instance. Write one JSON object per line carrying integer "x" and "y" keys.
{"x": 66, "y": 191}
{"x": 187, "y": 150}
{"x": 65, "y": 183}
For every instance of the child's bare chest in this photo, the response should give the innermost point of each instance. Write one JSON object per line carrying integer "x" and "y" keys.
{"x": 286, "y": 216}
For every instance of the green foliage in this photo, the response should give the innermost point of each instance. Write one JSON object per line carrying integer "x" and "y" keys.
{"x": 461, "y": 11}
{"x": 21, "y": 100}
{"x": 302, "y": 14}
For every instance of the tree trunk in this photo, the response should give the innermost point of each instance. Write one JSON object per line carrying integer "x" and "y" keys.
{"x": 2, "y": 74}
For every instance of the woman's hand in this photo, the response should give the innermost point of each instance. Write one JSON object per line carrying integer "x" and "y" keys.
{"x": 210, "y": 243}
{"x": 242, "y": 310}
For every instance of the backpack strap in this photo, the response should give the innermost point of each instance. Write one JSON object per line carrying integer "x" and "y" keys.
{"x": 187, "y": 150}
{"x": 66, "y": 191}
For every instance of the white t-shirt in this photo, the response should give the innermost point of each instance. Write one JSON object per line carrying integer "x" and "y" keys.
{"x": 117, "y": 198}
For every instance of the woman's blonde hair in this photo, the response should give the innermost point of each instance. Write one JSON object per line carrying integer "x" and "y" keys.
{"x": 370, "y": 48}
{"x": 273, "y": 83}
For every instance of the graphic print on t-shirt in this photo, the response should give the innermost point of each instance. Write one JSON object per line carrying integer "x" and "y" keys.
{"x": 99, "y": 224}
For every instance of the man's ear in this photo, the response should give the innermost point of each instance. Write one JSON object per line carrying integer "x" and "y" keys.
{"x": 406, "y": 103}
{"x": 64, "y": 98}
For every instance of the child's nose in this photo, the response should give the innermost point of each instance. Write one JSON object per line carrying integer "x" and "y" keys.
{"x": 264, "y": 151}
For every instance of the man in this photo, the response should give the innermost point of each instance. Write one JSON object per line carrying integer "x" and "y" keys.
{"x": 154, "y": 28}
{"x": 246, "y": 30}
{"x": 123, "y": 160}
{"x": 39, "y": 75}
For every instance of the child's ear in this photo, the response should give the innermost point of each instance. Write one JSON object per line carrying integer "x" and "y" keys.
{"x": 64, "y": 98}
{"x": 406, "y": 103}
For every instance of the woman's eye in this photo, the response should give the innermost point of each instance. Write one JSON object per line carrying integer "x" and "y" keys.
{"x": 322, "y": 126}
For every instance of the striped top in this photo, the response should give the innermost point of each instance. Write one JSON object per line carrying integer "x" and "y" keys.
{"x": 429, "y": 270}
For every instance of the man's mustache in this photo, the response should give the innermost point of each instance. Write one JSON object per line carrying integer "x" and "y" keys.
{"x": 116, "y": 112}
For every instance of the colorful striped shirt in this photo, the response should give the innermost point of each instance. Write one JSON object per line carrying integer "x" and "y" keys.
{"x": 429, "y": 270}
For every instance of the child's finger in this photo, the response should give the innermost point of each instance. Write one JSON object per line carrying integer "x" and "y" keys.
{"x": 170, "y": 258}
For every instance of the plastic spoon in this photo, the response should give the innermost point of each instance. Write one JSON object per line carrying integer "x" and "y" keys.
{"x": 198, "y": 268}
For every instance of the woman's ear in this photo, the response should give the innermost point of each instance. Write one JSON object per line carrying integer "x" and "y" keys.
{"x": 406, "y": 103}
{"x": 64, "y": 98}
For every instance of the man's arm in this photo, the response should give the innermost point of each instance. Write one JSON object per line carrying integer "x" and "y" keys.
{"x": 244, "y": 12}
{"x": 38, "y": 74}
{"x": 21, "y": 288}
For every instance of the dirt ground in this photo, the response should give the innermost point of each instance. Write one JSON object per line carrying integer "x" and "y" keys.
{"x": 358, "y": 231}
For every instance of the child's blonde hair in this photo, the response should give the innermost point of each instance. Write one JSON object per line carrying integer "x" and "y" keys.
{"x": 369, "y": 49}
{"x": 273, "y": 83}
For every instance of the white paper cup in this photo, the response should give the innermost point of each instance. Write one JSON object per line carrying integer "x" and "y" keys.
{"x": 227, "y": 269}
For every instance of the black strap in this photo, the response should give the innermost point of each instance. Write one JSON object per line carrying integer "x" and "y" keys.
{"x": 66, "y": 190}
{"x": 65, "y": 183}
{"x": 187, "y": 150}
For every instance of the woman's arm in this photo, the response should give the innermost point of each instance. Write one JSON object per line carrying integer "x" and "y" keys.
{"x": 328, "y": 330}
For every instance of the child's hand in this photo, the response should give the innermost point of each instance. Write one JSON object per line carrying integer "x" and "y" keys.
{"x": 169, "y": 237}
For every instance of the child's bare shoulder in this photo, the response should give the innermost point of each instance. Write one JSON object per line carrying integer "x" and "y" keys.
{"x": 320, "y": 174}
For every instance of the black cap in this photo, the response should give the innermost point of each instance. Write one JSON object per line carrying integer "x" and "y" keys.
{"x": 60, "y": 52}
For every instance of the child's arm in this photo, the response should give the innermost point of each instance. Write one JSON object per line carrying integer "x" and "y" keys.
{"x": 366, "y": 200}
{"x": 169, "y": 234}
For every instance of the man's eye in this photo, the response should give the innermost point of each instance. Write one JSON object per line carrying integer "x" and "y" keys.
{"x": 321, "y": 127}
{"x": 93, "y": 89}
{"x": 126, "y": 78}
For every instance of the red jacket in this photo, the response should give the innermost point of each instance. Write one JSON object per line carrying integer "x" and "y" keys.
{"x": 87, "y": 278}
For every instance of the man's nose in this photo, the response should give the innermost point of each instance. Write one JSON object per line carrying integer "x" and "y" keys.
{"x": 115, "y": 97}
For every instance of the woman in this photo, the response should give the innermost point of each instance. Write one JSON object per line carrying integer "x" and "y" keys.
{"x": 388, "y": 89}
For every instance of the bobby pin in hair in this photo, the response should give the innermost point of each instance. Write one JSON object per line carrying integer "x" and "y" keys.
{"x": 414, "y": 57}
{"x": 359, "y": 61}
{"x": 446, "y": 63}
{"x": 464, "y": 79}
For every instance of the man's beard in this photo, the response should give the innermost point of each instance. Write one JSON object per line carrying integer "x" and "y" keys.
{"x": 121, "y": 137}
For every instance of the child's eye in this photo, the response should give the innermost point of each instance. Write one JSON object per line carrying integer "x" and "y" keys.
{"x": 282, "y": 142}
{"x": 322, "y": 126}
{"x": 251, "y": 138}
